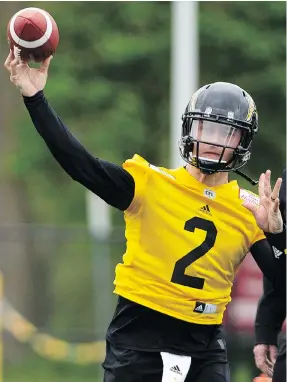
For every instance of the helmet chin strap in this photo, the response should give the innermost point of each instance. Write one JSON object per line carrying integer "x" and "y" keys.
{"x": 246, "y": 177}
{"x": 207, "y": 162}
{"x": 250, "y": 180}
{"x": 211, "y": 171}
{"x": 207, "y": 172}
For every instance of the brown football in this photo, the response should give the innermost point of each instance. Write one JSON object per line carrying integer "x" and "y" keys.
{"x": 33, "y": 34}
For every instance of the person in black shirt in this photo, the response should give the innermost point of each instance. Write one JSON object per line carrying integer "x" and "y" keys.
{"x": 271, "y": 311}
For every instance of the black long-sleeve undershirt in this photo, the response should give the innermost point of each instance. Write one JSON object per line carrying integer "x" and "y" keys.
{"x": 107, "y": 180}
{"x": 271, "y": 311}
{"x": 270, "y": 315}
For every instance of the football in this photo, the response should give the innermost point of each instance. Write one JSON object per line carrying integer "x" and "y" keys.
{"x": 33, "y": 34}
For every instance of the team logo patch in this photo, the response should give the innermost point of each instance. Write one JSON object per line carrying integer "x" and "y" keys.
{"x": 248, "y": 196}
{"x": 209, "y": 193}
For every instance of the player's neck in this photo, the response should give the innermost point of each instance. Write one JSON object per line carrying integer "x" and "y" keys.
{"x": 211, "y": 180}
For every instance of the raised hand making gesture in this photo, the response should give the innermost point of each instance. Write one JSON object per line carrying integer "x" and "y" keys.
{"x": 267, "y": 214}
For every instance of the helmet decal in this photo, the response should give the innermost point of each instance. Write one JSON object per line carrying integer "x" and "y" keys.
{"x": 251, "y": 109}
{"x": 193, "y": 100}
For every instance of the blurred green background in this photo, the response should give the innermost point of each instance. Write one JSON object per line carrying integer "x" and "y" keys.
{"x": 110, "y": 82}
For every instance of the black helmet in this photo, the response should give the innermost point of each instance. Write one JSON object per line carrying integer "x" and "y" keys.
{"x": 232, "y": 108}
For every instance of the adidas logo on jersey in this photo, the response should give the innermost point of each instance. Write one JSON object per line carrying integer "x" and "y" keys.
{"x": 200, "y": 308}
{"x": 176, "y": 369}
{"x": 204, "y": 308}
{"x": 276, "y": 251}
{"x": 205, "y": 209}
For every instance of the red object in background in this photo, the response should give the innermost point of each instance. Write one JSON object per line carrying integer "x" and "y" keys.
{"x": 247, "y": 290}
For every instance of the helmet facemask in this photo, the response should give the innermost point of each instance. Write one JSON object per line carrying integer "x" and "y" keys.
{"x": 203, "y": 133}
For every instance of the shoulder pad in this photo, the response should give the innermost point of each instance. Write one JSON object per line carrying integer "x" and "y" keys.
{"x": 162, "y": 171}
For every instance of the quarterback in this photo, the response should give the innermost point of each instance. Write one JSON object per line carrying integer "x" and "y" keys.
{"x": 188, "y": 230}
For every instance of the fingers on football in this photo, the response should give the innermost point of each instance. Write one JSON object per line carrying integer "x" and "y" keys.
{"x": 8, "y": 60}
{"x": 14, "y": 66}
{"x": 45, "y": 65}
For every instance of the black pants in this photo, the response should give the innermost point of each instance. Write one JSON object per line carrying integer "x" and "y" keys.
{"x": 279, "y": 374}
{"x": 123, "y": 365}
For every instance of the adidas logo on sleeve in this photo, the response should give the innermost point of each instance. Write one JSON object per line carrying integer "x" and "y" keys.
{"x": 276, "y": 252}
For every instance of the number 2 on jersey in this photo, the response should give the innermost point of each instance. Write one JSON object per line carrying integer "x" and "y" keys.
{"x": 179, "y": 276}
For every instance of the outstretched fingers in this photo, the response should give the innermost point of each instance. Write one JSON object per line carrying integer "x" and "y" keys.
{"x": 276, "y": 189}
{"x": 267, "y": 183}
{"x": 45, "y": 65}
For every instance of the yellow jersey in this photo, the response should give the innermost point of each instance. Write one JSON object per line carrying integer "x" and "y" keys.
{"x": 185, "y": 241}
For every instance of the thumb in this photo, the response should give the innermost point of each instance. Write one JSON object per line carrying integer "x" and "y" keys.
{"x": 273, "y": 353}
{"x": 45, "y": 65}
{"x": 250, "y": 206}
